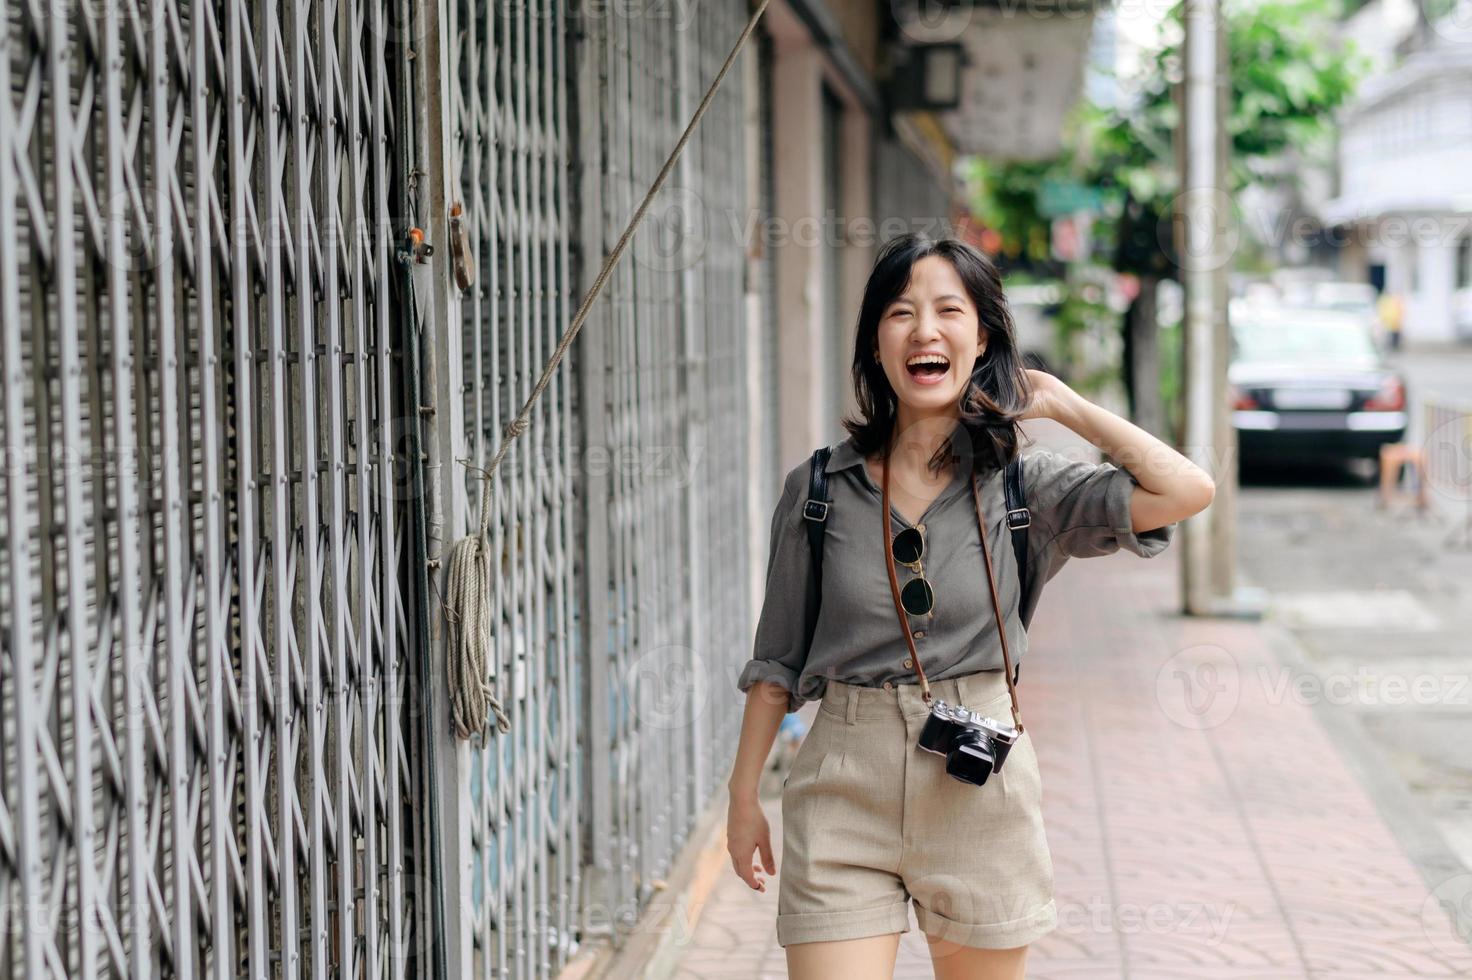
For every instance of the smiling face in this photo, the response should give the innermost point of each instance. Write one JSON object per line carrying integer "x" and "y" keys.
{"x": 929, "y": 339}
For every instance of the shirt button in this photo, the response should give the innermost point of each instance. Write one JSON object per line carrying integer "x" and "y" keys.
{"x": 919, "y": 634}
{"x": 888, "y": 686}
{"x": 909, "y": 663}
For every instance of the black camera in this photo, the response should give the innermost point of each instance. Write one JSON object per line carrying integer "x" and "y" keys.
{"x": 974, "y": 746}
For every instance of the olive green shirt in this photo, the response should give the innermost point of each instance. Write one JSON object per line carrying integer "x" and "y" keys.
{"x": 1079, "y": 509}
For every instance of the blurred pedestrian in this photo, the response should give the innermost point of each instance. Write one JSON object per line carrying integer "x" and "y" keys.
{"x": 1392, "y": 313}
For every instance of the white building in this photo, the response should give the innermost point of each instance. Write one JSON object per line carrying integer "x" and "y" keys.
{"x": 1404, "y": 210}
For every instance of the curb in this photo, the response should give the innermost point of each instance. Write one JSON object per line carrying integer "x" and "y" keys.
{"x": 1417, "y": 834}
{"x": 1367, "y": 761}
{"x": 652, "y": 950}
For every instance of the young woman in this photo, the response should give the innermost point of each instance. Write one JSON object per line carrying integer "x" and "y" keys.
{"x": 871, "y": 821}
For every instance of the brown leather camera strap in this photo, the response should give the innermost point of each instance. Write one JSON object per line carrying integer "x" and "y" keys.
{"x": 904, "y": 618}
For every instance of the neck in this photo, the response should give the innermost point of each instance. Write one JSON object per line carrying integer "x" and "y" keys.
{"x": 918, "y": 435}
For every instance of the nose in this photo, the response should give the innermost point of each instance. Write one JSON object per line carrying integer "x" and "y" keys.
{"x": 925, "y": 327}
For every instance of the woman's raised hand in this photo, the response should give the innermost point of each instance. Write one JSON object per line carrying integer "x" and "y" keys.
{"x": 1051, "y": 398}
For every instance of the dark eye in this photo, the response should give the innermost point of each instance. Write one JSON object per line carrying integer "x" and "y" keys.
{"x": 900, "y": 313}
{"x": 951, "y": 309}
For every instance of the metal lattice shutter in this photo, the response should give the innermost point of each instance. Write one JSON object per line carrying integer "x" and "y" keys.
{"x": 663, "y": 374}
{"x": 509, "y": 161}
{"x": 204, "y": 765}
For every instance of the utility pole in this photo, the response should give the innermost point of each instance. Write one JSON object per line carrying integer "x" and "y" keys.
{"x": 1207, "y": 233}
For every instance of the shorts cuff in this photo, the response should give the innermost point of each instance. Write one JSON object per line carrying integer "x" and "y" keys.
{"x": 812, "y": 927}
{"x": 995, "y": 935}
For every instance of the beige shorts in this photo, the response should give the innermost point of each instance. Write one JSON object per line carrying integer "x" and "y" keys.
{"x": 871, "y": 821}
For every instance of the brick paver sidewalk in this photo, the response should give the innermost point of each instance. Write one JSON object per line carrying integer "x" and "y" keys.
{"x": 1201, "y": 821}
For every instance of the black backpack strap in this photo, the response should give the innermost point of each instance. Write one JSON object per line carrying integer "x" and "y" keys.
{"x": 1018, "y": 519}
{"x": 815, "y": 508}
{"x": 815, "y": 512}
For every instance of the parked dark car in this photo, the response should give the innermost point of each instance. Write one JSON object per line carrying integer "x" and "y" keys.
{"x": 1307, "y": 385}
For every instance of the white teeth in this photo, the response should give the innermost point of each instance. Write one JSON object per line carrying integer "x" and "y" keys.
{"x": 928, "y": 359}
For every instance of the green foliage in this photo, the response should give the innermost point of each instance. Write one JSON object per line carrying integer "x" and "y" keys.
{"x": 1288, "y": 79}
{"x": 1286, "y": 82}
{"x": 1286, "y": 85}
{"x": 1172, "y": 379}
{"x": 1006, "y": 196}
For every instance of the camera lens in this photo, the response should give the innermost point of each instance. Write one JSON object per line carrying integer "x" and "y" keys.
{"x": 971, "y": 757}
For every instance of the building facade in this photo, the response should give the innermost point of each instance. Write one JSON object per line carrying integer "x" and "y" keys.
{"x": 1403, "y": 213}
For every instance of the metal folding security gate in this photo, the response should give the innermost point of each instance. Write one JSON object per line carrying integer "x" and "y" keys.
{"x": 619, "y": 517}
{"x": 204, "y": 762}
{"x": 664, "y": 377}
{"x": 515, "y": 811}
{"x": 238, "y": 404}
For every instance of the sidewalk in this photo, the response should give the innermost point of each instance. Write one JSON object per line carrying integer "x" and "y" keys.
{"x": 1202, "y": 823}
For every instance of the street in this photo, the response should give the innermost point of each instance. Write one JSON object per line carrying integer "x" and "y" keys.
{"x": 1382, "y": 604}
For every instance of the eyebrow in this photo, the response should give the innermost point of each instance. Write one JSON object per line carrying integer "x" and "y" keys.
{"x": 947, "y": 298}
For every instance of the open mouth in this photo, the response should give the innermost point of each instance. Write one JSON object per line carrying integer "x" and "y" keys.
{"x": 928, "y": 368}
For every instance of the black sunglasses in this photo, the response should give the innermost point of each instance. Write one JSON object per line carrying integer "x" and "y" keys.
{"x": 908, "y": 548}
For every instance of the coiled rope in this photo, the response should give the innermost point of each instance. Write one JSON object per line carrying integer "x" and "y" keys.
{"x": 473, "y": 697}
{"x": 468, "y": 611}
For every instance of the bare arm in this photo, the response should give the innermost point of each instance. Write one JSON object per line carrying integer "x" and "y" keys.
{"x": 1171, "y": 488}
{"x": 747, "y": 830}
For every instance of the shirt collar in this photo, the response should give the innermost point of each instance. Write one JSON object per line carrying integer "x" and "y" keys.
{"x": 844, "y": 455}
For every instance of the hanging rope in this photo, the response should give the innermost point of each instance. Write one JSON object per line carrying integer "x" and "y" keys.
{"x": 468, "y": 602}
{"x": 468, "y": 611}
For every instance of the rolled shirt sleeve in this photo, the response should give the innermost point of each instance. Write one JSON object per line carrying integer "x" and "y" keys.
{"x": 791, "y": 603}
{"x": 1085, "y": 507}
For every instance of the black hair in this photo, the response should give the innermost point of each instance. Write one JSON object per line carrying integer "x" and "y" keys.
{"x": 998, "y": 391}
